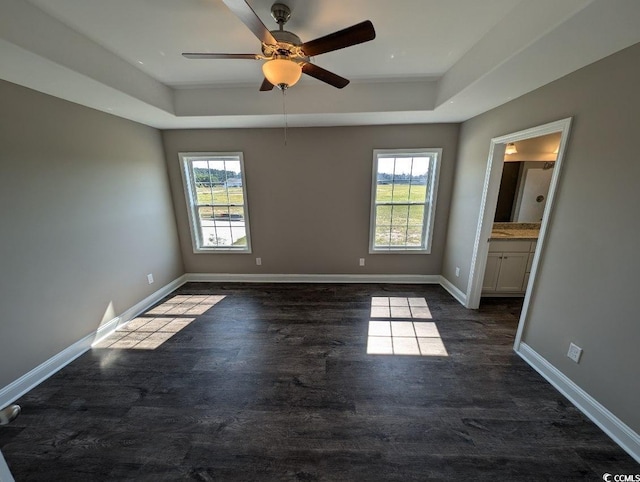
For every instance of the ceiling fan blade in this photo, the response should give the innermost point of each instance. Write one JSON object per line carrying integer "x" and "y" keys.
{"x": 196, "y": 55}
{"x": 245, "y": 13}
{"x": 324, "y": 75}
{"x": 266, "y": 86}
{"x": 356, "y": 34}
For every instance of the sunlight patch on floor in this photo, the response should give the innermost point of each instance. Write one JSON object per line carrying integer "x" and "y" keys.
{"x": 400, "y": 307}
{"x": 159, "y": 324}
{"x": 388, "y": 335}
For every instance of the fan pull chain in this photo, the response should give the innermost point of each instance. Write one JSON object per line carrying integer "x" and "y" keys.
{"x": 284, "y": 113}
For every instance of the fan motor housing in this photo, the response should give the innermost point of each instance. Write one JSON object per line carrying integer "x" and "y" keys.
{"x": 287, "y": 44}
{"x": 287, "y": 37}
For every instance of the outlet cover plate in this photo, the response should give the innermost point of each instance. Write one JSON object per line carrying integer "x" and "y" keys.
{"x": 574, "y": 352}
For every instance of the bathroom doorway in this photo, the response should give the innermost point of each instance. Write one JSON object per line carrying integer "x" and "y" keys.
{"x": 493, "y": 177}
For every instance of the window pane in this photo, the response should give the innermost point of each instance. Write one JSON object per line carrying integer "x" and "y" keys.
{"x": 236, "y": 213}
{"x": 203, "y": 190}
{"x": 383, "y": 215}
{"x": 400, "y": 215}
{"x": 216, "y": 166}
{"x": 201, "y": 181}
{"x": 414, "y": 236}
{"x": 235, "y": 192}
{"x": 403, "y": 168}
{"x": 382, "y": 235}
{"x": 216, "y": 172}
{"x": 383, "y": 190}
{"x": 401, "y": 190}
{"x": 416, "y": 214}
{"x": 386, "y": 167}
{"x": 418, "y": 193}
{"x": 420, "y": 167}
{"x": 208, "y": 233}
{"x": 200, "y": 164}
{"x": 239, "y": 234}
{"x": 206, "y": 213}
{"x": 222, "y": 234}
{"x": 220, "y": 195}
{"x": 398, "y": 235}
{"x": 221, "y": 213}
{"x": 419, "y": 178}
{"x": 233, "y": 169}
{"x": 208, "y": 239}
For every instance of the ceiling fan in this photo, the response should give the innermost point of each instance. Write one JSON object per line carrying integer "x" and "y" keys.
{"x": 286, "y": 55}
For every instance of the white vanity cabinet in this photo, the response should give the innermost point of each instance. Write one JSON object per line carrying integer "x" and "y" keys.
{"x": 508, "y": 266}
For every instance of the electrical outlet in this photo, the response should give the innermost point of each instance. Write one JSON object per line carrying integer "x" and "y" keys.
{"x": 361, "y": 261}
{"x": 259, "y": 261}
{"x": 574, "y": 352}
{"x": 457, "y": 271}
{"x": 150, "y": 278}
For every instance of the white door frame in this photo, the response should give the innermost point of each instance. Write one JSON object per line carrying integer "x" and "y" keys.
{"x": 488, "y": 208}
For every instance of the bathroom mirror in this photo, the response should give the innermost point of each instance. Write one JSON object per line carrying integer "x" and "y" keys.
{"x": 526, "y": 177}
{"x": 523, "y": 191}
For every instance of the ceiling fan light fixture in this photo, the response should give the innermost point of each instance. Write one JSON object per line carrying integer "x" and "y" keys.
{"x": 282, "y": 73}
{"x": 511, "y": 149}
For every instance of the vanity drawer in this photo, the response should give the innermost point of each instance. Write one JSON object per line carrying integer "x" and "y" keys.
{"x": 509, "y": 246}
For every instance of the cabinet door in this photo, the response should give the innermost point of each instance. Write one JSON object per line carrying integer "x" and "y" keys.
{"x": 512, "y": 269}
{"x": 491, "y": 272}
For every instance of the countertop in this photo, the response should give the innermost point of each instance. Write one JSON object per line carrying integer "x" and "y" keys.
{"x": 515, "y": 231}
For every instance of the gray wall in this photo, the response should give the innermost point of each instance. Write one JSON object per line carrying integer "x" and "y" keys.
{"x": 309, "y": 201}
{"x": 86, "y": 213}
{"x": 587, "y": 284}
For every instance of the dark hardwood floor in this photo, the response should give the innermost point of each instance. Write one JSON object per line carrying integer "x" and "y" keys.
{"x": 274, "y": 382}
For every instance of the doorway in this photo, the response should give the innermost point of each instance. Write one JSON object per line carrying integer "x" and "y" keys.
{"x": 489, "y": 203}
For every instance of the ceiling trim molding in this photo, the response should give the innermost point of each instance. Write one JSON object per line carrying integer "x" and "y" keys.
{"x": 513, "y": 58}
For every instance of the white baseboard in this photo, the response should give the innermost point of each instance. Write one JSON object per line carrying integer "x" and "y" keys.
{"x": 33, "y": 378}
{"x": 453, "y": 291}
{"x": 313, "y": 278}
{"x": 5, "y": 474}
{"x": 603, "y": 418}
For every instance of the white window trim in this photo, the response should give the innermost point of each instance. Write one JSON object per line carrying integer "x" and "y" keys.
{"x": 189, "y": 190}
{"x": 434, "y": 174}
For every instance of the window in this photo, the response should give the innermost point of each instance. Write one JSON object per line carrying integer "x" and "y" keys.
{"x": 403, "y": 200}
{"x": 217, "y": 201}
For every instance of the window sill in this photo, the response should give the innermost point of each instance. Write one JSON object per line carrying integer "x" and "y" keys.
{"x": 221, "y": 251}
{"x": 400, "y": 251}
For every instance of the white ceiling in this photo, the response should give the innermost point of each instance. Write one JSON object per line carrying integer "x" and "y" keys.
{"x": 431, "y": 61}
{"x": 414, "y": 38}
